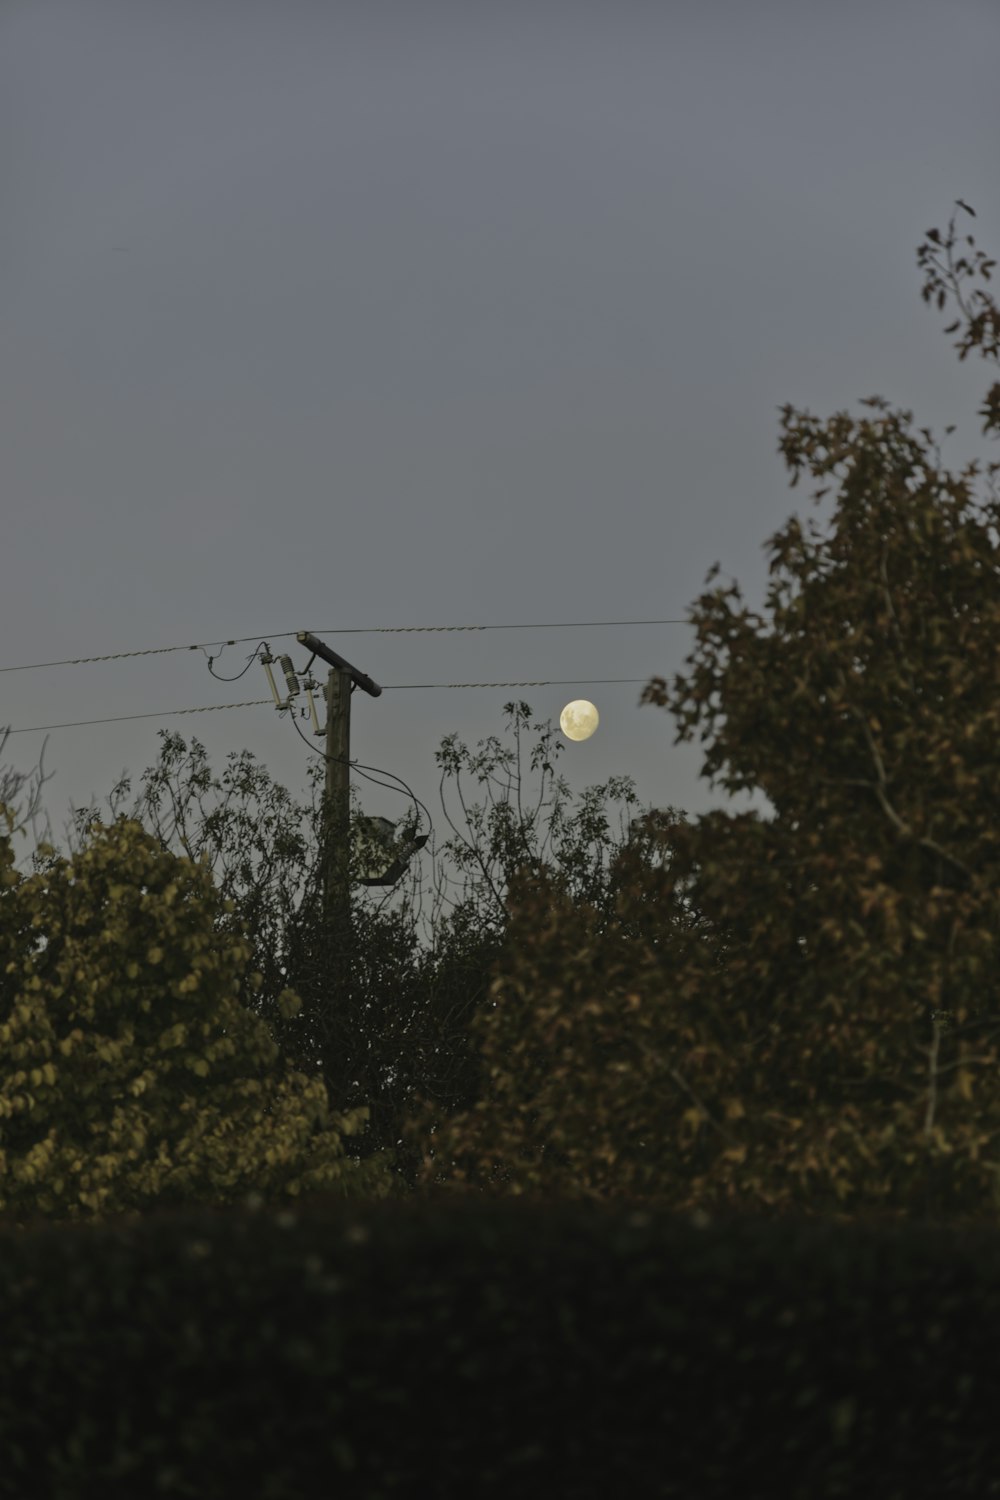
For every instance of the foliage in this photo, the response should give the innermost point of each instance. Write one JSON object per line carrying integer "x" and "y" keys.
{"x": 385, "y": 1017}
{"x": 576, "y": 1043}
{"x": 506, "y": 832}
{"x": 835, "y": 1049}
{"x": 11, "y": 783}
{"x": 401, "y": 1032}
{"x": 131, "y": 1074}
{"x": 251, "y": 837}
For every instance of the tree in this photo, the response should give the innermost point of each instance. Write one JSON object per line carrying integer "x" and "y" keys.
{"x": 401, "y": 1033}
{"x": 11, "y": 783}
{"x": 130, "y": 1074}
{"x": 577, "y": 1041}
{"x": 418, "y": 971}
{"x": 833, "y": 1049}
{"x": 510, "y": 829}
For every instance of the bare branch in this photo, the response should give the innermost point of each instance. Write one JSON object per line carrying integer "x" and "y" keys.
{"x": 879, "y": 788}
{"x": 933, "y": 1073}
{"x": 884, "y": 575}
{"x": 682, "y": 1083}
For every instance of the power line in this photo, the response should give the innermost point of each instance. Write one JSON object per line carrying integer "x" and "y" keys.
{"x": 544, "y": 625}
{"x": 542, "y": 682}
{"x": 77, "y": 661}
{"x": 165, "y": 713}
{"x": 269, "y": 702}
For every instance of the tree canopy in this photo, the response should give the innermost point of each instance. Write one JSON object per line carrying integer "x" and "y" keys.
{"x": 834, "y": 1047}
{"x": 395, "y": 1028}
{"x": 794, "y": 1010}
{"x": 130, "y": 1073}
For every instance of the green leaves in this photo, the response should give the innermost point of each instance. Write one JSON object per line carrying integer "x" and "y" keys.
{"x": 131, "y": 1071}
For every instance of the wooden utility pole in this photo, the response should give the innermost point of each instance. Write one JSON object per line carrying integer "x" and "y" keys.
{"x": 337, "y": 795}
{"x": 337, "y": 807}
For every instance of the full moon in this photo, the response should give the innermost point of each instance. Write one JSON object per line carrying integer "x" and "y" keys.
{"x": 579, "y": 719}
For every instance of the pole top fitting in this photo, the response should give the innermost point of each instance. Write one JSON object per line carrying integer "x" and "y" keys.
{"x": 315, "y": 645}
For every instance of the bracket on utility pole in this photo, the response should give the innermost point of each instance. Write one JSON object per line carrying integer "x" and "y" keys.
{"x": 316, "y": 646}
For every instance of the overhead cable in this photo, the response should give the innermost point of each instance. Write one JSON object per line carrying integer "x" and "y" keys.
{"x": 76, "y": 661}
{"x": 268, "y": 702}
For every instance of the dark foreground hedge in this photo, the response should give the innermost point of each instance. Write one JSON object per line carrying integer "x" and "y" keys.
{"x": 516, "y": 1348}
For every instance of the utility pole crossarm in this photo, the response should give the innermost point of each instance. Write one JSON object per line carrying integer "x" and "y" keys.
{"x": 316, "y": 646}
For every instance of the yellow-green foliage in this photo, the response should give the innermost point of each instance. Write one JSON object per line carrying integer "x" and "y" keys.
{"x": 830, "y": 1041}
{"x": 129, "y": 1072}
{"x": 615, "y": 1069}
{"x": 583, "y": 1094}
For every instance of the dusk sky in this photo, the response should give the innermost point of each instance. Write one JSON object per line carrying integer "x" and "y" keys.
{"x": 342, "y": 317}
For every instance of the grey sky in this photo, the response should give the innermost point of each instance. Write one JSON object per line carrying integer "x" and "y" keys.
{"x": 329, "y": 316}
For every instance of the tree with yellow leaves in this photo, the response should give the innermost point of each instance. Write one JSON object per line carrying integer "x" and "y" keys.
{"x": 130, "y": 1074}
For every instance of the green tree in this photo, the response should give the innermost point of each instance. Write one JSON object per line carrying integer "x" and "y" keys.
{"x": 131, "y": 1073}
{"x": 418, "y": 969}
{"x": 254, "y": 838}
{"x": 576, "y": 1042}
{"x": 416, "y": 981}
{"x": 834, "y": 1048}
{"x": 510, "y": 811}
